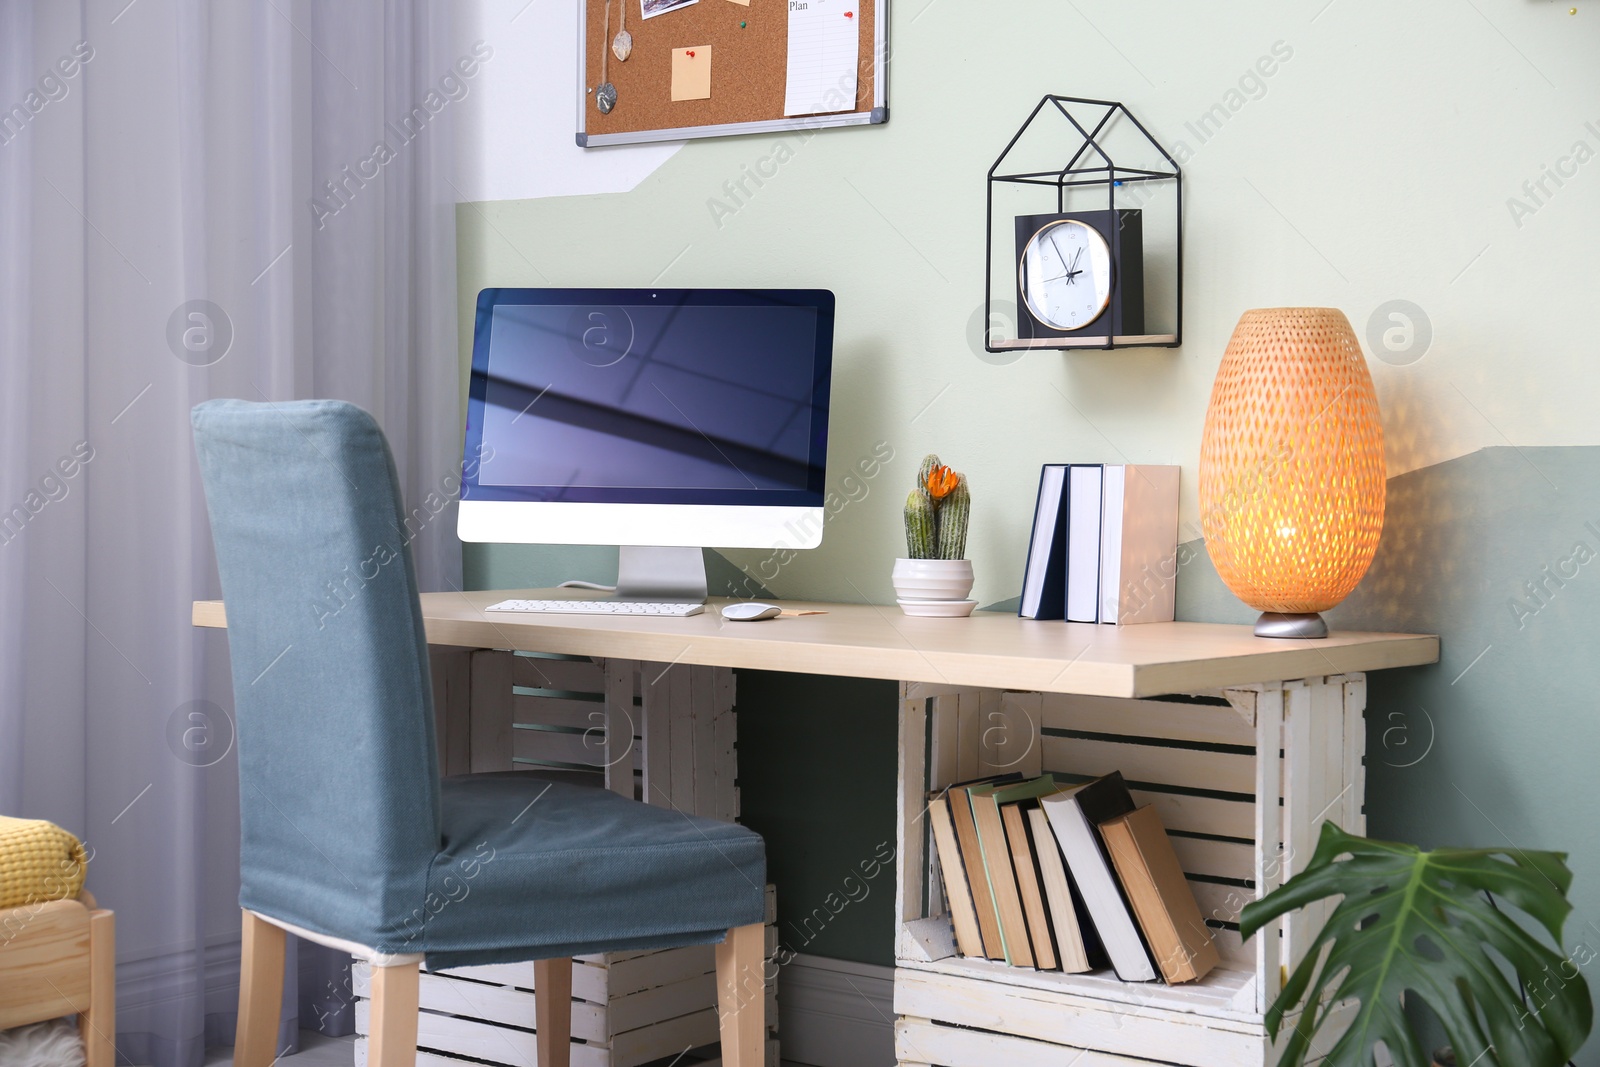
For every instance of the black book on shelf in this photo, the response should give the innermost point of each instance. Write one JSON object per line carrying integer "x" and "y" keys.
{"x": 1044, "y": 581}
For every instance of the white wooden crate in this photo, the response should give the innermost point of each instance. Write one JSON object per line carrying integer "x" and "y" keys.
{"x": 659, "y": 733}
{"x": 965, "y": 1047}
{"x": 1243, "y": 779}
{"x": 628, "y": 1008}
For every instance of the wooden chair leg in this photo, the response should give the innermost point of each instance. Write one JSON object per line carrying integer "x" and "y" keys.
{"x": 552, "y": 1012}
{"x": 260, "y": 993}
{"x": 98, "y": 1025}
{"x": 742, "y": 997}
{"x": 392, "y": 1041}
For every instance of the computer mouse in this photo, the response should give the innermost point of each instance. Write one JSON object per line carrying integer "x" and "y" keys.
{"x": 750, "y": 611}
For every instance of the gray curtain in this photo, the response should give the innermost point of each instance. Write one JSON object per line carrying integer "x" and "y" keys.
{"x": 197, "y": 199}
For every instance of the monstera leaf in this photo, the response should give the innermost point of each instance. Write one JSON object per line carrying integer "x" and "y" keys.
{"x": 1418, "y": 923}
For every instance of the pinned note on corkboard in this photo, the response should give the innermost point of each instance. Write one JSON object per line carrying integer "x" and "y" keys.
{"x": 691, "y": 73}
{"x": 665, "y": 95}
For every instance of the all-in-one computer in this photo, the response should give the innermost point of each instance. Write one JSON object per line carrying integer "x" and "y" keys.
{"x": 658, "y": 420}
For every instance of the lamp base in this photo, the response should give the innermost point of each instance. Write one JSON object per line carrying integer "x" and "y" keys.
{"x": 1307, "y": 626}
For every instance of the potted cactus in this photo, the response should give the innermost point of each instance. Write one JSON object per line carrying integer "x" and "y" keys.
{"x": 936, "y": 576}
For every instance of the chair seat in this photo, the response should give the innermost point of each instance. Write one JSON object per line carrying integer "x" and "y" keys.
{"x": 532, "y": 868}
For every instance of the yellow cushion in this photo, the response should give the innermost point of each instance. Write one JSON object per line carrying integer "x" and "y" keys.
{"x": 39, "y": 861}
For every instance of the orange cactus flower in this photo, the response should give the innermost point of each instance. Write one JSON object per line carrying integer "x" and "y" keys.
{"x": 941, "y": 482}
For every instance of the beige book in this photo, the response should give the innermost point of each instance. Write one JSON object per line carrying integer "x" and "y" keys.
{"x": 1139, "y": 544}
{"x": 996, "y": 855}
{"x": 1162, "y": 900}
{"x": 1044, "y": 950}
{"x": 986, "y": 801}
{"x": 977, "y": 877}
{"x": 963, "y": 916}
{"x": 1074, "y": 955}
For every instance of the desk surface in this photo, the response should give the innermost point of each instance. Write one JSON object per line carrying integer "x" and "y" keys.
{"x": 988, "y": 650}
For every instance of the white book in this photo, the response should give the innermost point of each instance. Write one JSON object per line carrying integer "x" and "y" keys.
{"x": 1083, "y": 542}
{"x": 1139, "y": 544}
{"x": 1076, "y": 831}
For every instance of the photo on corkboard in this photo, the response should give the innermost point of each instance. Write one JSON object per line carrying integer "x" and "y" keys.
{"x": 651, "y": 8}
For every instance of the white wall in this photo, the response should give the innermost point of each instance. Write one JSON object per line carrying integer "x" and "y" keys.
{"x": 517, "y": 143}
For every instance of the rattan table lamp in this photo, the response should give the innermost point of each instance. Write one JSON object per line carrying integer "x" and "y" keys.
{"x": 1291, "y": 467}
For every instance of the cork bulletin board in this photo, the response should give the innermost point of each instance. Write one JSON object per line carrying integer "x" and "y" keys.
{"x": 749, "y": 68}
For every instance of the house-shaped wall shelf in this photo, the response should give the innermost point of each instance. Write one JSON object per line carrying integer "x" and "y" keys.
{"x": 1075, "y": 155}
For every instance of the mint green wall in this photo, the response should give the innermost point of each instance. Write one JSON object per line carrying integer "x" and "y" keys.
{"x": 1385, "y": 158}
{"x": 544, "y": 566}
{"x": 1377, "y": 162}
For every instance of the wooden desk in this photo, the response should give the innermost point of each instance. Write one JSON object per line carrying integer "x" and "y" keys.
{"x": 1267, "y": 742}
{"x": 988, "y": 650}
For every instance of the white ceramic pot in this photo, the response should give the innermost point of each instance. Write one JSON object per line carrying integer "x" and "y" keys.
{"x": 936, "y": 586}
{"x": 939, "y": 609}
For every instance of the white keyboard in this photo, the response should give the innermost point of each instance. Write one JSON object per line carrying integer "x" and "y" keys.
{"x": 666, "y": 609}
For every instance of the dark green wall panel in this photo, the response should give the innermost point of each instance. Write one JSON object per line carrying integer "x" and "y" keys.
{"x": 1497, "y": 744}
{"x": 817, "y": 767}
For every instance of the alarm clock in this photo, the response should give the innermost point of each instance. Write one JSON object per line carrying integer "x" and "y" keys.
{"x": 1080, "y": 277}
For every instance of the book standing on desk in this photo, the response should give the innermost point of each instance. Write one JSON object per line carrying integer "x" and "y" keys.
{"x": 1084, "y": 486}
{"x": 1104, "y": 544}
{"x": 1139, "y": 544}
{"x": 1044, "y": 581}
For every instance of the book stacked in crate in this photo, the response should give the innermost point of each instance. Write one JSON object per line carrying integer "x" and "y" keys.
{"x": 1067, "y": 878}
{"x": 658, "y": 733}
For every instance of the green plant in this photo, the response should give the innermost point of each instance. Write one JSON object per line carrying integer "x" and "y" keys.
{"x": 937, "y": 513}
{"x": 921, "y": 525}
{"x": 1421, "y": 924}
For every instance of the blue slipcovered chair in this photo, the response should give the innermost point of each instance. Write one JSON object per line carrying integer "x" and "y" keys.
{"x": 349, "y": 837}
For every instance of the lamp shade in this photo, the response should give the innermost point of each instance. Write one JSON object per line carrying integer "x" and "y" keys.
{"x": 1291, "y": 464}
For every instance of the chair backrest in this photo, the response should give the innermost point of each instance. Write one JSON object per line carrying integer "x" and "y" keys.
{"x": 338, "y": 773}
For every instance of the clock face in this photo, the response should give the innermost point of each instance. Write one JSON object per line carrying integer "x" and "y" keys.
{"x": 1065, "y": 275}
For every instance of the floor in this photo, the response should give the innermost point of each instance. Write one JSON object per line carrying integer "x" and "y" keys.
{"x": 319, "y": 1051}
{"x": 315, "y": 1051}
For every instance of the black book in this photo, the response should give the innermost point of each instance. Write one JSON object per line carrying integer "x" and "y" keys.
{"x": 1044, "y": 582}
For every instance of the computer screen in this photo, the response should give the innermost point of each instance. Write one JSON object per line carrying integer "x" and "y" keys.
{"x": 648, "y": 416}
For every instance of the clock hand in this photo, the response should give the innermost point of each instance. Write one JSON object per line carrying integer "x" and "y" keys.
{"x": 1063, "y": 258}
{"x": 1072, "y": 268}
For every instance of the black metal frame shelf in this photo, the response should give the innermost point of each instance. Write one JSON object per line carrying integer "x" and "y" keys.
{"x": 1071, "y": 175}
